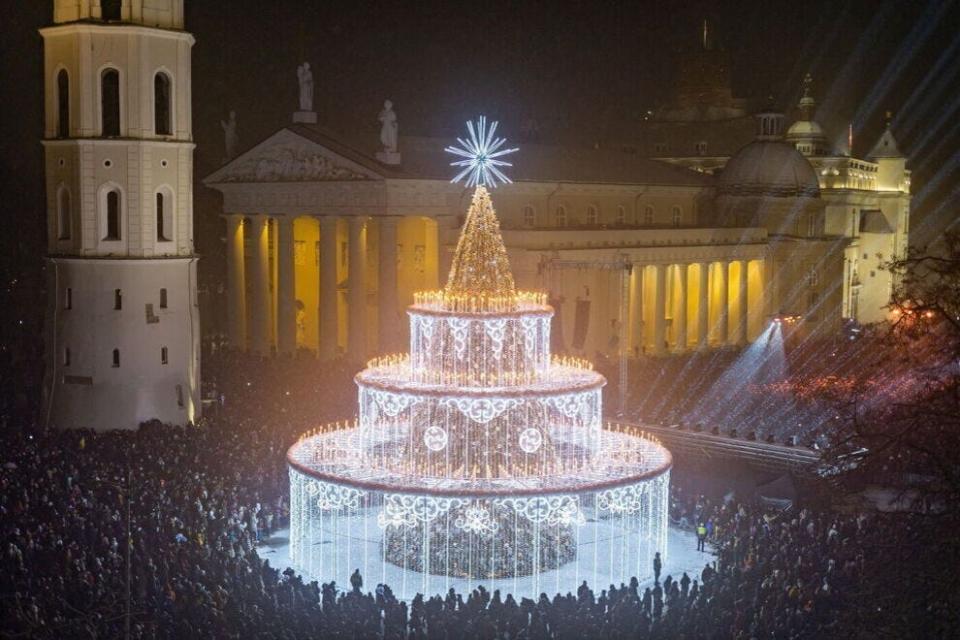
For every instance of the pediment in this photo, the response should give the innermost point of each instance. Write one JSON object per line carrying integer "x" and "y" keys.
{"x": 289, "y": 157}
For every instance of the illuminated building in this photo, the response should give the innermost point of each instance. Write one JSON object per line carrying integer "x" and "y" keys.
{"x": 687, "y": 233}
{"x": 122, "y": 324}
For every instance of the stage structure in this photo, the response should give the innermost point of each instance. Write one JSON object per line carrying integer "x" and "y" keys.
{"x": 478, "y": 457}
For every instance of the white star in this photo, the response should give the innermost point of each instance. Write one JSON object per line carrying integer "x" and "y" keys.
{"x": 480, "y": 153}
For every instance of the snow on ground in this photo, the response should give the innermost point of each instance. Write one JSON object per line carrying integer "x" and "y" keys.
{"x": 681, "y": 556}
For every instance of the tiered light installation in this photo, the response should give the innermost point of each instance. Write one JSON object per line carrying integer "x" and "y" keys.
{"x": 478, "y": 457}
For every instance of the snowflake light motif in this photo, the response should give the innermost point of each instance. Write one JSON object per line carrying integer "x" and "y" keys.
{"x": 480, "y": 155}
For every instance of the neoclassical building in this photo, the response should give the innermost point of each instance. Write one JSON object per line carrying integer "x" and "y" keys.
{"x": 641, "y": 251}
{"x": 122, "y": 323}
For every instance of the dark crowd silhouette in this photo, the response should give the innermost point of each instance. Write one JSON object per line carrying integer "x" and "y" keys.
{"x": 194, "y": 501}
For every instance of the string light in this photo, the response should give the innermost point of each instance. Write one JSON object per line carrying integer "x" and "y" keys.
{"x": 478, "y": 454}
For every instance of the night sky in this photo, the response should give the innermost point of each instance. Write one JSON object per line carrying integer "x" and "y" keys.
{"x": 581, "y": 68}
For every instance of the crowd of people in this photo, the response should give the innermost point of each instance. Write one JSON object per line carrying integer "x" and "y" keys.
{"x": 158, "y": 529}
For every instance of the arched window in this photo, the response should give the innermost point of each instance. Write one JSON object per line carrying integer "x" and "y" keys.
{"x": 161, "y": 104}
{"x": 529, "y": 217}
{"x": 621, "y": 215}
{"x": 164, "y": 217}
{"x": 116, "y": 357}
{"x": 111, "y": 9}
{"x": 593, "y": 218}
{"x": 112, "y": 216}
{"x": 63, "y": 104}
{"x": 63, "y": 213}
{"x": 110, "y": 102}
{"x": 648, "y": 215}
{"x": 677, "y": 216}
{"x": 561, "y": 216}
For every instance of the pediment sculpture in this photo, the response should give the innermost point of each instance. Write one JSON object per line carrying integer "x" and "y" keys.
{"x": 288, "y": 162}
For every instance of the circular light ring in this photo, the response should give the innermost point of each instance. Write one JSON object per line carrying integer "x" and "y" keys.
{"x": 557, "y": 381}
{"x": 435, "y": 438}
{"x": 529, "y": 309}
{"x": 356, "y": 472}
{"x": 530, "y": 440}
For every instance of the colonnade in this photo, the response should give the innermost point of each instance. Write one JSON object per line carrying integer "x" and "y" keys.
{"x": 662, "y": 293}
{"x": 253, "y": 323}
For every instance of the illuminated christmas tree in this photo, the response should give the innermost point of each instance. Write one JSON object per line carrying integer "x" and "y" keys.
{"x": 478, "y": 455}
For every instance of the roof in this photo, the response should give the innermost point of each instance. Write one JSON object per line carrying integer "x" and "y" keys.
{"x": 873, "y": 221}
{"x": 769, "y": 168}
{"x": 659, "y": 138}
{"x": 424, "y": 158}
{"x": 886, "y": 147}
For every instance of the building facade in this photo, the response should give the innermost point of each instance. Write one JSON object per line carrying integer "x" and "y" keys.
{"x": 643, "y": 249}
{"x": 122, "y": 326}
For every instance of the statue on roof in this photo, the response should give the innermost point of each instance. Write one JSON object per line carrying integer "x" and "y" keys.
{"x": 388, "y": 127}
{"x": 231, "y": 139}
{"x": 305, "y": 77}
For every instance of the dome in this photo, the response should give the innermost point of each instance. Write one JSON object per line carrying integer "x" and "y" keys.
{"x": 769, "y": 168}
{"x": 804, "y": 128}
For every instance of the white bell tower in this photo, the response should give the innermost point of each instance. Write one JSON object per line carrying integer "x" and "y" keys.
{"x": 122, "y": 335}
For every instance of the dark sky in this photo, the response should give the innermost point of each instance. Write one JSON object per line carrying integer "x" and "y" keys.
{"x": 580, "y": 66}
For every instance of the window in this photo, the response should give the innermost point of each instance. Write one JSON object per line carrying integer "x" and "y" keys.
{"x": 66, "y": 357}
{"x": 116, "y": 357}
{"x": 161, "y": 104}
{"x": 117, "y": 299}
{"x": 110, "y": 9}
{"x": 164, "y": 359}
{"x": 593, "y": 218}
{"x": 163, "y": 298}
{"x": 164, "y": 218}
{"x": 621, "y": 215}
{"x": 660, "y": 147}
{"x": 561, "y": 216}
{"x": 112, "y": 231}
{"x": 63, "y": 104}
{"x": 813, "y": 277}
{"x": 701, "y": 148}
{"x": 677, "y": 216}
{"x": 68, "y": 299}
{"x": 63, "y": 213}
{"x": 529, "y": 217}
{"x": 648, "y": 215}
{"x": 110, "y": 102}
{"x": 811, "y": 225}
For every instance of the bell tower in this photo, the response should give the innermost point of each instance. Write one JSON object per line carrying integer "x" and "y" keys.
{"x": 122, "y": 329}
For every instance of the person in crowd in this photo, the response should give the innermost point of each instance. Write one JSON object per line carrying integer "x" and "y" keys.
{"x": 200, "y": 497}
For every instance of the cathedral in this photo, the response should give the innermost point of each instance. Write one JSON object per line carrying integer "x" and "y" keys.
{"x": 693, "y": 232}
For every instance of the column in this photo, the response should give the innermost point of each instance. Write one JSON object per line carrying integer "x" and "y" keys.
{"x": 659, "y": 308}
{"x": 328, "y": 288}
{"x": 387, "y": 304}
{"x": 260, "y": 289}
{"x": 357, "y": 307}
{"x": 680, "y": 318}
{"x": 286, "y": 288}
{"x": 742, "y": 304}
{"x": 236, "y": 286}
{"x": 723, "y": 317}
{"x": 636, "y": 310}
{"x": 703, "y": 306}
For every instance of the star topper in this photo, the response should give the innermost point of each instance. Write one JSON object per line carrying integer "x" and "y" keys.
{"x": 480, "y": 155}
